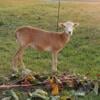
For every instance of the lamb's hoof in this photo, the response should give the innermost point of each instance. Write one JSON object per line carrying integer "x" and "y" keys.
{"x": 26, "y": 72}
{"x": 15, "y": 70}
{"x": 54, "y": 71}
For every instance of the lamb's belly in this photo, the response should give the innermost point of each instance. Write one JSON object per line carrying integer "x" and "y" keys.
{"x": 41, "y": 48}
{"x": 33, "y": 46}
{"x": 49, "y": 48}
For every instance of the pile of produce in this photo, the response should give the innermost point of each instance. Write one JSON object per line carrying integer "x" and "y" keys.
{"x": 35, "y": 86}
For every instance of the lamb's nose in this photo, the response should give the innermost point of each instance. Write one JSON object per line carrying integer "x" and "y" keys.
{"x": 69, "y": 32}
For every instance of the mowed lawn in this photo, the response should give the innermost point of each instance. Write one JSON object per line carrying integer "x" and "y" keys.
{"x": 81, "y": 55}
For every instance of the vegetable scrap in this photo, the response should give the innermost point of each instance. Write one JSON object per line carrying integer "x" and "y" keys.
{"x": 35, "y": 86}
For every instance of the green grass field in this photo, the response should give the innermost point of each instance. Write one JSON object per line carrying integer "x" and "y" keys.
{"x": 81, "y": 55}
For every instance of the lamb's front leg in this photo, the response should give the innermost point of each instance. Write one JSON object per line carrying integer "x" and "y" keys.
{"x": 54, "y": 62}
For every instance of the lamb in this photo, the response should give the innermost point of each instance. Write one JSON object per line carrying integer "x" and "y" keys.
{"x": 42, "y": 40}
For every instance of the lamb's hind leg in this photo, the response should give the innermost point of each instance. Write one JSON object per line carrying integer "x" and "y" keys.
{"x": 18, "y": 59}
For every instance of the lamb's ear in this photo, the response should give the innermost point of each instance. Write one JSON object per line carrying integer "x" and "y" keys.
{"x": 61, "y": 25}
{"x": 76, "y": 24}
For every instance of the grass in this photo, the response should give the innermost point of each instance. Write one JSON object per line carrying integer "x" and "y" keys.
{"x": 81, "y": 55}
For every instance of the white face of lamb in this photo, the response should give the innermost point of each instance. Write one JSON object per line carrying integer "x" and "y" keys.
{"x": 69, "y": 27}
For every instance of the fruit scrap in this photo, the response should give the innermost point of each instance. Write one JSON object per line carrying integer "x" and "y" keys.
{"x": 68, "y": 80}
{"x": 54, "y": 83}
{"x": 30, "y": 78}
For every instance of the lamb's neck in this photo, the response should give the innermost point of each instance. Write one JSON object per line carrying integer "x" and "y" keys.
{"x": 65, "y": 37}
